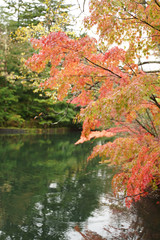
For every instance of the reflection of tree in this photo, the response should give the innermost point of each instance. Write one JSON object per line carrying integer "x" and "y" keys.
{"x": 46, "y": 187}
{"x": 70, "y": 202}
{"x": 30, "y": 164}
{"x": 148, "y": 212}
{"x": 144, "y": 223}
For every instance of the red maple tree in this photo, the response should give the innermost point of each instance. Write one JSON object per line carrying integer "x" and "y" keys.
{"x": 116, "y": 98}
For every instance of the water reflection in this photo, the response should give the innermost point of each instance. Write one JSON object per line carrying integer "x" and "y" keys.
{"x": 47, "y": 188}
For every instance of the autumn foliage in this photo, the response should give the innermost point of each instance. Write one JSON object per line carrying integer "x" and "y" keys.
{"x": 127, "y": 21}
{"x": 116, "y": 98}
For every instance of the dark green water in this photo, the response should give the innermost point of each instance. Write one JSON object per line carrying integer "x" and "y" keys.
{"x": 47, "y": 188}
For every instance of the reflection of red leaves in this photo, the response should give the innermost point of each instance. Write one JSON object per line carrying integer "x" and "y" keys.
{"x": 77, "y": 228}
{"x": 89, "y": 235}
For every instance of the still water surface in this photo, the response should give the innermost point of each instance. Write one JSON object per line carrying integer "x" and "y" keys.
{"x": 47, "y": 188}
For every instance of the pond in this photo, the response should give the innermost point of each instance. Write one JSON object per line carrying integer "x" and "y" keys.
{"x": 47, "y": 188}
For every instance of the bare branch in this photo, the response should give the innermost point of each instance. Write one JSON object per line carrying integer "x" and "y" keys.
{"x": 148, "y": 62}
{"x": 79, "y": 5}
{"x": 154, "y": 71}
{"x": 65, "y": 114}
{"x": 84, "y": 4}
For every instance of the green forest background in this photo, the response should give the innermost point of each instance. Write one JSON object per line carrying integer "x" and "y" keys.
{"x": 23, "y": 103}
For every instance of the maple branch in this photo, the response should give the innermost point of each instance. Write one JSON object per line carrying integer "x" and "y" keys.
{"x": 154, "y": 71}
{"x": 134, "y": 73}
{"x": 153, "y": 98}
{"x": 145, "y": 128}
{"x": 106, "y": 69}
{"x": 123, "y": 123}
{"x": 142, "y": 21}
{"x": 148, "y": 62}
{"x": 158, "y": 4}
{"x": 138, "y": 194}
{"x": 93, "y": 85}
{"x": 148, "y": 114}
{"x": 97, "y": 65}
{"x": 132, "y": 196}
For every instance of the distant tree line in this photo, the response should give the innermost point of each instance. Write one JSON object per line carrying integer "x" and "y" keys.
{"x": 22, "y": 102}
